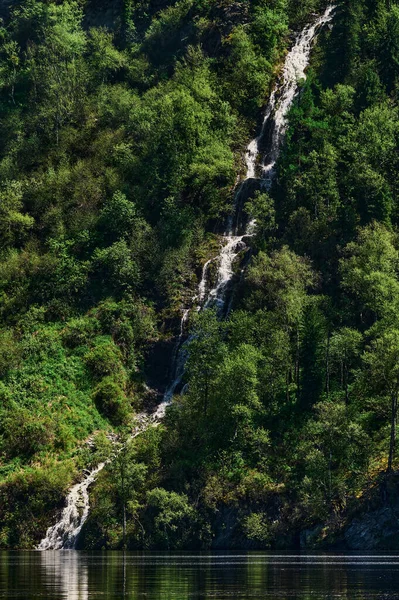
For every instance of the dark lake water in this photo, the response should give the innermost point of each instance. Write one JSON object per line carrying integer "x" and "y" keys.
{"x": 115, "y": 575}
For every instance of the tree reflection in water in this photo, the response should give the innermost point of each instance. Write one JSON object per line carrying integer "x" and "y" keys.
{"x": 58, "y": 575}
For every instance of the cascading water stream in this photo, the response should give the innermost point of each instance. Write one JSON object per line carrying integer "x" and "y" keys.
{"x": 64, "y": 534}
{"x": 232, "y": 242}
{"x": 282, "y": 98}
{"x": 178, "y": 363}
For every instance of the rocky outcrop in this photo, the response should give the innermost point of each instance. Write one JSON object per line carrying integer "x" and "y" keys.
{"x": 370, "y": 524}
{"x": 376, "y": 530}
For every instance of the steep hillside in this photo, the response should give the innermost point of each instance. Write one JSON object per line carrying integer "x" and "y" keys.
{"x": 123, "y": 128}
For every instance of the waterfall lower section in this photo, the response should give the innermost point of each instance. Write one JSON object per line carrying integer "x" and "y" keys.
{"x": 261, "y": 157}
{"x": 65, "y": 533}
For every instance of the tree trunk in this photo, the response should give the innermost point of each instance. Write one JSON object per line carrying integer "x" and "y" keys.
{"x": 342, "y": 375}
{"x": 206, "y": 397}
{"x": 287, "y": 387}
{"x": 123, "y": 458}
{"x": 124, "y": 524}
{"x": 328, "y": 365}
{"x": 392, "y": 441}
{"x": 346, "y": 377}
{"x": 297, "y": 360}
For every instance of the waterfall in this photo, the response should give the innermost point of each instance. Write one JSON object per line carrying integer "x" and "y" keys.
{"x": 275, "y": 117}
{"x": 65, "y": 532}
{"x": 178, "y": 365}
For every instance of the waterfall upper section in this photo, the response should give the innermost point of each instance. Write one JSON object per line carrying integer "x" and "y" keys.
{"x": 274, "y": 124}
{"x": 261, "y": 156}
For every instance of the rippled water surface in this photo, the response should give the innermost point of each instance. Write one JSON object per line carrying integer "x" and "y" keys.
{"x": 112, "y": 575}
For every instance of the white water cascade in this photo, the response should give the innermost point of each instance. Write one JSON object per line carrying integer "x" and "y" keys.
{"x": 64, "y": 534}
{"x": 178, "y": 365}
{"x": 281, "y": 100}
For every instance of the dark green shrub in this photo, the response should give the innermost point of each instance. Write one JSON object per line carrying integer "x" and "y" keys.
{"x": 28, "y": 499}
{"x": 79, "y": 332}
{"x": 25, "y": 433}
{"x": 104, "y": 358}
{"x": 111, "y": 400}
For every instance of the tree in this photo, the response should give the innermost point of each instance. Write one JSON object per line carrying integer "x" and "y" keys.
{"x": 235, "y": 407}
{"x": 57, "y": 67}
{"x": 261, "y": 210}
{"x": 105, "y": 59}
{"x": 248, "y": 74}
{"x": 117, "y": 267}
{"x": 389, "y": 34}
{"x": 314, "y": 338}
{"x": 334, "y": 449}
{"x": 369, "y": 272}
{"x": 8, "y": 72}
{"x": 14, "y": 223}
{"x": 345, "y": 350}
{"x": 117, "y": 217}
{"x": 206, "y": 351}
{"x": 129, "y": 477}
{"x": 172, "y": 518}
{"x": 382, "y": 374}
{"x": 280, "y": 282}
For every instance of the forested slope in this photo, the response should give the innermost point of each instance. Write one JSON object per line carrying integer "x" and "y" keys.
{"x": 122, "y": 131}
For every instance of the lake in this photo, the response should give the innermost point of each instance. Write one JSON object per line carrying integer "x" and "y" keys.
{"x": 114, "y": 575}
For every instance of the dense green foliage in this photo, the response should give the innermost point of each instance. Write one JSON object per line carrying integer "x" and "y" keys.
{"x": 119, "y": 149}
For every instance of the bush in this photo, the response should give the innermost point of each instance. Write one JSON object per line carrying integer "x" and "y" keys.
{"x": 257, "y": 529}
{"x": 9, "y": 351}
{"x": 24, "y": 433}
{"x": 173, "y": 518}
{"x": 111, "y": 401}
{"x": 23, "y": 523}
{"x": 79, "y": 332}
{"x": 104, "y": 359}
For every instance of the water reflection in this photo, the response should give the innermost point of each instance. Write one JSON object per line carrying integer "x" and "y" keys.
{"x": 55, "y": 575}
{"x": 66, "y": 574}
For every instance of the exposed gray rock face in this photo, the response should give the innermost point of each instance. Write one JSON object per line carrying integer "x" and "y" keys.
{"x": 376, "y": 530}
